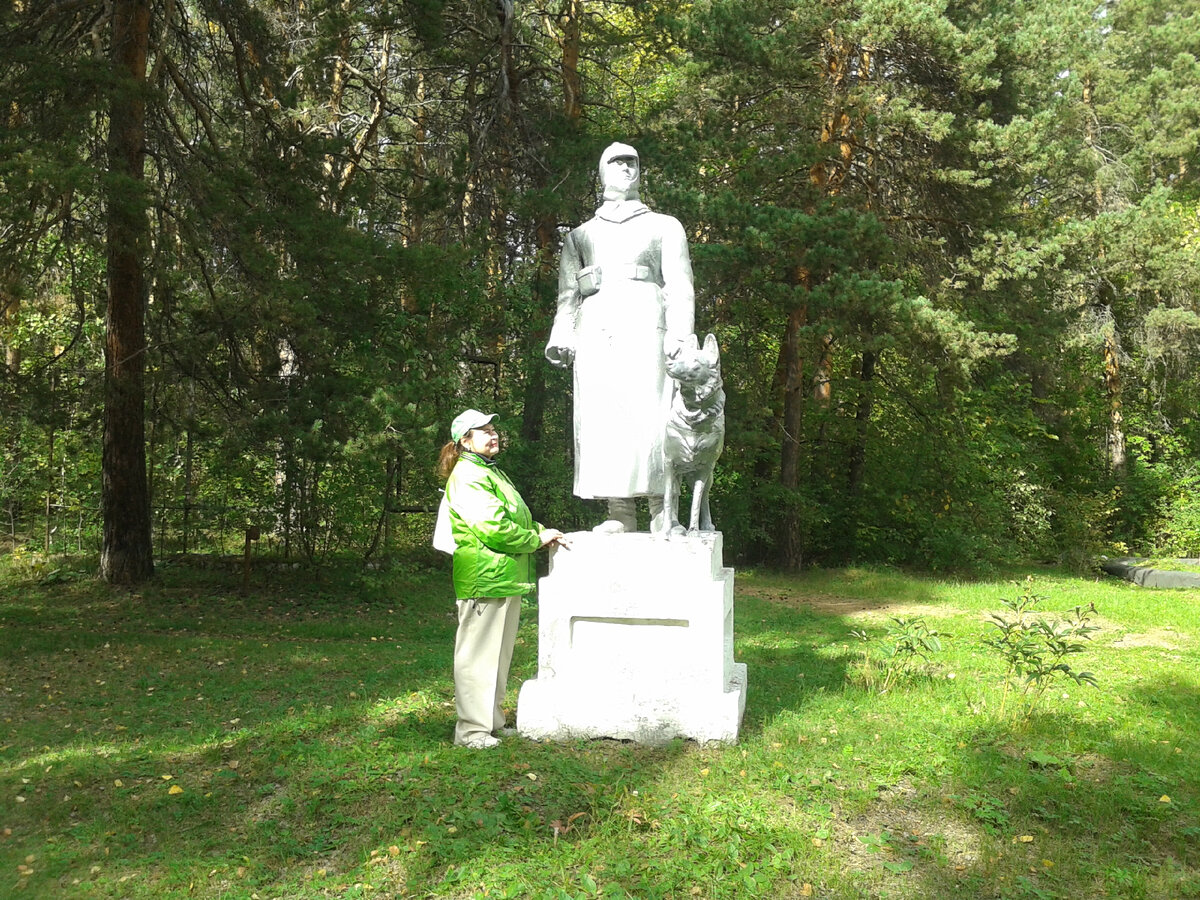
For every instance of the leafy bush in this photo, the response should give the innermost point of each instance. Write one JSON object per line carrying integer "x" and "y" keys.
{"x": 1179, "y": 534}
{"x": 908, "y": 641}
{"x": 1035, "y": 649}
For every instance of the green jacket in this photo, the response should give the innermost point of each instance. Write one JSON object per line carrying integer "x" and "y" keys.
{"x": 494, "y": 532}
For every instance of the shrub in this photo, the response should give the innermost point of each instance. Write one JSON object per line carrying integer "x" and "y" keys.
{"x": 1035, "y": 649}
{"x": 908, "y": 640}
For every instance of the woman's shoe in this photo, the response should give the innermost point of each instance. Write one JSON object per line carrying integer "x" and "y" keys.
{"x": 479, "y": 742}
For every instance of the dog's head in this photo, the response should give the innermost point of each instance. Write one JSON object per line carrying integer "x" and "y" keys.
{"x": 689, "y": 363}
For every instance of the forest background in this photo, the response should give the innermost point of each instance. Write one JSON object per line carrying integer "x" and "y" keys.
{"x": 255, "y": 255}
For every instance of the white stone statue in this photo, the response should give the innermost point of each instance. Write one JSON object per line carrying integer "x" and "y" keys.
{"x": 695, "y": 431}
{"x": 625, "y": 298}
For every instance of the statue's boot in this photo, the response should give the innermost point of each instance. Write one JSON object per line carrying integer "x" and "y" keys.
{"x": 657, "y": 515}
{"x": 622, "y": 516}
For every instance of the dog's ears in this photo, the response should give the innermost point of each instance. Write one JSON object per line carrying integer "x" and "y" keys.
{"x": 711, "y": 350}
{"x": 677, "y": 347}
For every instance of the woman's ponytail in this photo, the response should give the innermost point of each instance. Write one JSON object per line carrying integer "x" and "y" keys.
{"x": 447, "y": 458}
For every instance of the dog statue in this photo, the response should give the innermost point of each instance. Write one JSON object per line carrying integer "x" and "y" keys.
{"x": 695, "y": 432}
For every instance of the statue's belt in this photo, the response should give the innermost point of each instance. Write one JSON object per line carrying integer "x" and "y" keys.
{"x": 591, "y": 277}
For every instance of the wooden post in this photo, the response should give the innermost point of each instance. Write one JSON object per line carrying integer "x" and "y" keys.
{"x": 252, "y": 534}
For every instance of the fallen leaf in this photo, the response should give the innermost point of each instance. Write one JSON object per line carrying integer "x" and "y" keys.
{"x": 175, "y": 789}
{"x": 1023, "y": 839}
{"x": 118, "y": 783}
{"x": 1164, "y": 799}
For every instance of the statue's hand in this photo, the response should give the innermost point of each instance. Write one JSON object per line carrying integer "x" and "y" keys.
{"x": 560, "y": 357}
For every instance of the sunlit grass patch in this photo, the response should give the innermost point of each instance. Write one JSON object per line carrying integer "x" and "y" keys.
{"x": 293, "y": 740}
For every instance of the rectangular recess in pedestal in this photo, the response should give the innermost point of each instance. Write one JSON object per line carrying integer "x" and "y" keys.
{"x": 623, "y": 622}
{"x": 621, "y": 643}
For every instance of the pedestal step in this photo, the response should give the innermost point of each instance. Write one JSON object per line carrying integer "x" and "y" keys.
{"x": 560, "y": 709}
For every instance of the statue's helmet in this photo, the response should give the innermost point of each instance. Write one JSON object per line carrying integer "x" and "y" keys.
{"x": 614, "y": 150}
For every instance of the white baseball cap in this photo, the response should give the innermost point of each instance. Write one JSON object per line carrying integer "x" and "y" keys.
{"x": 468, "y": 419}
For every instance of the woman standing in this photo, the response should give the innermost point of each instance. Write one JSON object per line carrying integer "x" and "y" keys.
{"x": 494, "y": 540}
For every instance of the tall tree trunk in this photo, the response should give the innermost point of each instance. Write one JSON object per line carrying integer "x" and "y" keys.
{"x": 533, "y": 413}
{"x": 10, "y": 311}
{"x": 858, "y": 451}
{"x": 10, "y": 301}
{"x": 822, "y": 390}
{"x": 1115, "y": 431}
{"x": 829, "y": 176}
{"x": 126, "y": 555}
{"x": 546, "y": 284}
{"x": 570, "y": 43}
{"x": 1112, "y": 389}
{"x": 836, "y": 127}
{"x": 791, "y": 364}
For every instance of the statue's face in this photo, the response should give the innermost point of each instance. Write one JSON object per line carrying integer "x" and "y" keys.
{"x": 621, "y": 173}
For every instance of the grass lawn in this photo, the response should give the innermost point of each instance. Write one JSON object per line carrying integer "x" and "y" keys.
{"x": 193, "y": 739}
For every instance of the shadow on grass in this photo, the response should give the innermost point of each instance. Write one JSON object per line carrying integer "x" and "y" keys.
{"x": 1062, "y": 806}
{"x": 1072, "y": 802}
{"x": 790, "y": 654}
{"x": 273, "y": 740}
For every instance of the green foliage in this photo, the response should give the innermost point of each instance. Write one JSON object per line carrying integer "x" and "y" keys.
{"x": 1035, "y": 649}
{"x": 951, "y": 212}
{"x": 908, "y": 639}
{"x": 30, "y": 565}
{"x": 1179, "y": 529}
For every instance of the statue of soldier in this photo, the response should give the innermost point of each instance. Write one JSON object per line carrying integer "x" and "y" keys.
{"x": 625, "y": 298}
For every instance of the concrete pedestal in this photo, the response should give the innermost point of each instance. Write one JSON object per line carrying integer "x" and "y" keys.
{"x": 635, "y": 641}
